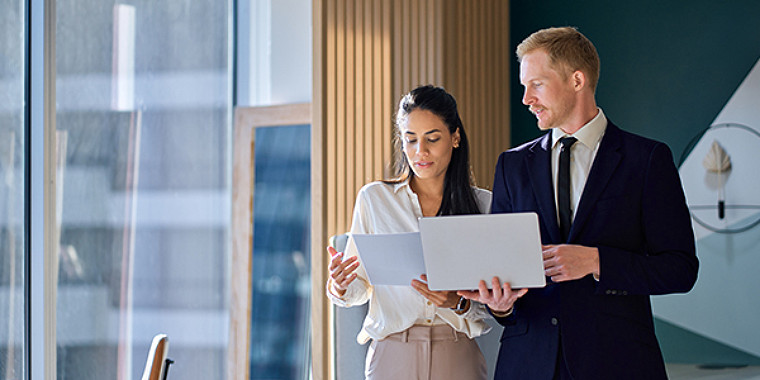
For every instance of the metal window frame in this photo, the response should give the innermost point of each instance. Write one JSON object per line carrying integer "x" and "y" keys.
{"x": 40, "y": 206}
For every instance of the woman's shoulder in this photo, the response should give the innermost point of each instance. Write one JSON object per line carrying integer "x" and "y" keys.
{"x": 377, "y": 188}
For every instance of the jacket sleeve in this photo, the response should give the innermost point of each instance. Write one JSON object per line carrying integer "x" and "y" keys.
{"x": 669, "y": 263}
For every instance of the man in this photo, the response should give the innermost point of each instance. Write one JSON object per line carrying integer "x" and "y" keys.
{"x": 614, "y": 225}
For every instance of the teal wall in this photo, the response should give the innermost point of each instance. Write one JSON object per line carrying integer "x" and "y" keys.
{"x": 668, "y": 68}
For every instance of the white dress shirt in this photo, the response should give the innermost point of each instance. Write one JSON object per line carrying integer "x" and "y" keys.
{"x": 394, "y": 208}
{"x": 582, "y": 155}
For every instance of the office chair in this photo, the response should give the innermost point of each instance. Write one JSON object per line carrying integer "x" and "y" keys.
{"x": 157, "y": 365}
{"x": 349, "y": 355}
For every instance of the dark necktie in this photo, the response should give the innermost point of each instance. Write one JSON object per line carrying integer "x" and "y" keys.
{"x": 563, "y": 187}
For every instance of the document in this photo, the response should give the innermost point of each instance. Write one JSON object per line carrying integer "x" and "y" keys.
{"x": 456, "y": 252}
{"x": 390, "y": 259}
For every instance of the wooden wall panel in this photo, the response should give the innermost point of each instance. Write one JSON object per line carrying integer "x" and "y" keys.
{"x": 367, "y": 54}
{"x": 476, "y": 61}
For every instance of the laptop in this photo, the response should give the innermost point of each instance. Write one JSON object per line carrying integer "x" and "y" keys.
{"x": 461, "y": 250}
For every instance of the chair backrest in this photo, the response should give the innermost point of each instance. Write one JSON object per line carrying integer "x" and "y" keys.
{"x": 157, "y": 364}
{"x": 349, "y": 355}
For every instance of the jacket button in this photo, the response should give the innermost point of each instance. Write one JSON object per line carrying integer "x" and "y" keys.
{"x": 554, "y": 321}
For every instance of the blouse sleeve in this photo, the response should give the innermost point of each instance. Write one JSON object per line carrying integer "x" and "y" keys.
{"x": 359, "y": 290}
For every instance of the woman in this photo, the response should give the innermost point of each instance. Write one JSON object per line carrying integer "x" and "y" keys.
{"x": 416, "y": 333}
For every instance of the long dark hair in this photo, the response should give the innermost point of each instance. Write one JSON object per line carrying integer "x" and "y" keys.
{"x": 458, "y": 195}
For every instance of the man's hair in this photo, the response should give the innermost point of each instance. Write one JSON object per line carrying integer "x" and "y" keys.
{"x": 568, "y": 51}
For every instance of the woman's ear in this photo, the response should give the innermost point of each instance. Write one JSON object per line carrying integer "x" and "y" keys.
{"x": 455, "y": 138}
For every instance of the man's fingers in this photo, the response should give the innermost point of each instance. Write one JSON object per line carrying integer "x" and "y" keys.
{"x": 483, "y": 290}
{"x": 469, "y": 294}
{"x": 496, "y": 285}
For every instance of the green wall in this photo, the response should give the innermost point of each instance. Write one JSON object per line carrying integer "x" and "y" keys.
{"x": 668, "y": 68}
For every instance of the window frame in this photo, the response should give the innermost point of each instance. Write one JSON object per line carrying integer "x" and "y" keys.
{"x": 247, "y": 120}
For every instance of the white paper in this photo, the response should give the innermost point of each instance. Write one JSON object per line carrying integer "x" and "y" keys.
{"x": 462, "y": 250}
{"x": 390, "y": 259}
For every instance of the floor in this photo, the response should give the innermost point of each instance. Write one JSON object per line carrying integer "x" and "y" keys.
{"x": 690, "y": 371}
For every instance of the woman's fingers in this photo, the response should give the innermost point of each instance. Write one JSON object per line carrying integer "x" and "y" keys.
{"x": 342, "y": 271}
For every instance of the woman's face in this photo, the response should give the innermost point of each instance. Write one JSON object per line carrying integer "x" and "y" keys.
{"x": 427, "y": 144}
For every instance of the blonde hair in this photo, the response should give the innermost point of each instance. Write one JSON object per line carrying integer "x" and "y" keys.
{"x": 568, "y": 51}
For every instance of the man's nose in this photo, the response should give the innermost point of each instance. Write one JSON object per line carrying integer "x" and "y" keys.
{"x": 527, "y": 98}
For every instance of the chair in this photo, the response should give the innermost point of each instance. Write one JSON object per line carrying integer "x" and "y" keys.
{"x": 157, "y": 365}
{"x": 350, "y": 355}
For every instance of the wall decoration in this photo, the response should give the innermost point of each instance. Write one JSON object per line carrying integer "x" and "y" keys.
{"x": 724, "y": 200}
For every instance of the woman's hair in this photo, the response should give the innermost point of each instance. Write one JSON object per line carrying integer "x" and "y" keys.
{"x": 458, "y": 195}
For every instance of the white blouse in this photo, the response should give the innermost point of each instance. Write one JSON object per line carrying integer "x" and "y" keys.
{"x": 383, "y": 208}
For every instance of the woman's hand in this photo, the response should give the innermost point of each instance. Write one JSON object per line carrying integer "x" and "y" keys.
{"x": 438, "y": 298}
{"x": 500, "y": 299}
{"x": 342, "y": 272}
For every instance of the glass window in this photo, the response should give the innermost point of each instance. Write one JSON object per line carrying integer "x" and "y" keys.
{"x": 281, "y": 283}
{"x": 13, "y": 198}
{"x": 143, "y": 111}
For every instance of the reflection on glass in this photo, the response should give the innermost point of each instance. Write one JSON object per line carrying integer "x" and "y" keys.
{"x": 142, "y": 105}
{"x": 12, "y": 193}
{"x": 281, "y": 261}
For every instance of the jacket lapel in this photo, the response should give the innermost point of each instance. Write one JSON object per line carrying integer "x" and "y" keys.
{"x": 538, "y": 165}
{"x": 607, "y": 159}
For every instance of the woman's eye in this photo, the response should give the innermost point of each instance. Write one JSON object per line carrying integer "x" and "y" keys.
{"x": 434, "y": 140}
{"x": 410, "y": 141}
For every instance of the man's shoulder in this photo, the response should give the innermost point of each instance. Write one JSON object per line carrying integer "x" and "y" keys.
{"x": 636, "y": 146}
{"x": 529, "y": 146}
{"x": 630, "y": 137}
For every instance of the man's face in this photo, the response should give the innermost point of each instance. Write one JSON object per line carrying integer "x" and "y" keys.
{"x": 549, "y": 94}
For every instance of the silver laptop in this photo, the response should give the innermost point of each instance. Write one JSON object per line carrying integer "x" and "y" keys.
{"x": 460, "y": 251}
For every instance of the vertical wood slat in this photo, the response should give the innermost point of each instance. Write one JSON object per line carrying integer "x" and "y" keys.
{"x": 352, "y": 61}
{"x": 476, "y": 58}
{"x": 367, "y": 53}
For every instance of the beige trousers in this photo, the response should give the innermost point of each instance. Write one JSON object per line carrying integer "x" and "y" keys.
{"x": 425, "y": 353}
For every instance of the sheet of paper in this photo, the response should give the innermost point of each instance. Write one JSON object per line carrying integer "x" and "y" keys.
{"x": 390, "y": 259}
{"x": 460, "y": 251}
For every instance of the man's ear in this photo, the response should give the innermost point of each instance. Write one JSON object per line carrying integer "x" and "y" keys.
{"x": 579, "y": 80}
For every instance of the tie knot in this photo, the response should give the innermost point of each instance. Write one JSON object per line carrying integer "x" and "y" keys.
{"x": 567, "y": 142}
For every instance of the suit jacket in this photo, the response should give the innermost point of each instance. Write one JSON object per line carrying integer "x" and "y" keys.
{"x": 634, "y": 211}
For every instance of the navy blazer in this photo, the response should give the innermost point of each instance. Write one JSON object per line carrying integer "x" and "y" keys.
{"x": 634, "y": 211}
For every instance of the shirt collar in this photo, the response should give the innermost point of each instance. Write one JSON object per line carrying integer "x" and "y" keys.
{"x": 589, "y": 134}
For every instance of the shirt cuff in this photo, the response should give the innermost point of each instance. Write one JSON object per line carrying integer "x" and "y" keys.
{"x": 503, "y": 314}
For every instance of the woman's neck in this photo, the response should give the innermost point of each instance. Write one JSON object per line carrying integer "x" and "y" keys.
{"x": 429, "y": 193}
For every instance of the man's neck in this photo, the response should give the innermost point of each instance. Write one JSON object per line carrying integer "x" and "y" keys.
{"x": 586, "y": 112}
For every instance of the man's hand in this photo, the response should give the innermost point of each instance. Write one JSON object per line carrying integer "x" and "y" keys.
{"x": 570, "y": 262}
{"x": 500, "y": 299}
